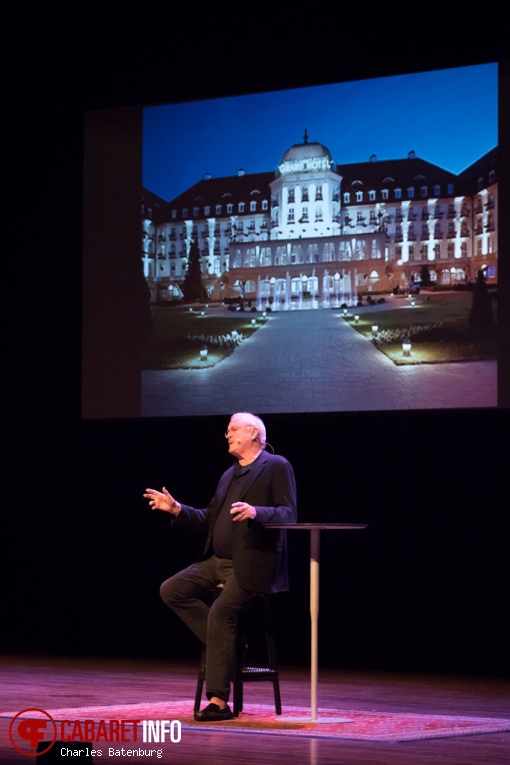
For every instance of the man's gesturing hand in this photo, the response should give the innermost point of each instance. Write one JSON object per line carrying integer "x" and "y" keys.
{"x": 162, "y": 500}
{"x": 242, "y": 511}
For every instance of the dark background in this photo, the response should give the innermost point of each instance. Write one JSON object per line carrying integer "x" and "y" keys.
{"x": 425, "y": 587}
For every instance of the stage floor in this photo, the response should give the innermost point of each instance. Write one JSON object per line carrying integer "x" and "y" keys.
{"x": 52, "y": 682}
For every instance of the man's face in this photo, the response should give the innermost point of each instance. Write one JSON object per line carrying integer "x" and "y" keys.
{"x": 240, "y": 435}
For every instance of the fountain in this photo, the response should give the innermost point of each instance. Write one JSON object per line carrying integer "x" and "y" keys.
{"x": 313, "y": 290}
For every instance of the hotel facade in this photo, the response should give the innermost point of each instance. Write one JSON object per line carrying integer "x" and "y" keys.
{"x": 315, "y": 230}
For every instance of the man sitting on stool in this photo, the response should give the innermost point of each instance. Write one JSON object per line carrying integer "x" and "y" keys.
{"x": 240, "y": 553}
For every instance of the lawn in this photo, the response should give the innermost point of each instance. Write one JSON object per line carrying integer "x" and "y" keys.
{"x": 442, "y": 321}
{"x": 178, "y": 335}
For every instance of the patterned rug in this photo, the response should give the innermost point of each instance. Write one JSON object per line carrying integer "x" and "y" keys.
{"x": 338, "y": 724}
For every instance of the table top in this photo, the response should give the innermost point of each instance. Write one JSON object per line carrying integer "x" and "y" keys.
{"x": 320, "y": 526}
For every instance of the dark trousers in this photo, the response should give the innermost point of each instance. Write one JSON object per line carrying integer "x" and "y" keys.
{"x": 188, "y": 593}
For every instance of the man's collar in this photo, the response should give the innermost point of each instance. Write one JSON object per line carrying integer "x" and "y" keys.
{"x": 241, "y": 469}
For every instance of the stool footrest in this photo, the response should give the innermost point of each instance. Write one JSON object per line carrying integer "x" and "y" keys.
{"x": 258, "y": 671}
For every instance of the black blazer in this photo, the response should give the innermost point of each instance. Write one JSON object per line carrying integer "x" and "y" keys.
{"x": 259, "y": 554}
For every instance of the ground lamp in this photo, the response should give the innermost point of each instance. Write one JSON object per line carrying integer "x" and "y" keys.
{"x": 406, "y": 347}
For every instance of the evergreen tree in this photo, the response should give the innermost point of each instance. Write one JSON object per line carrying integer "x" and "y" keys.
{"x": 192, "y": 287}
{"x": 480, "y": 317}
{"x": 426, "y": 281}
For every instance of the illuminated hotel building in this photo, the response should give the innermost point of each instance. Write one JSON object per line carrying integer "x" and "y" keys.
{"x": 315, "y": 229}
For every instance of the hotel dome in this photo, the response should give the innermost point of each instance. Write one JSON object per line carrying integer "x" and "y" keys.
{"x": 307, "y": 156}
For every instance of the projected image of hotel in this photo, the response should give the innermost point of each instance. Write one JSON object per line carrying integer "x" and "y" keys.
{"x": 312, "y": 231}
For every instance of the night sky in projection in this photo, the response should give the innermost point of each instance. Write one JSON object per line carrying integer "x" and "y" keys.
{"x": 447, "y": 117}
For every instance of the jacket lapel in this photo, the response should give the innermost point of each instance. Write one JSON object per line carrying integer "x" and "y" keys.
{"x": 254, "y": 473}
{"x": 222, "y": 488}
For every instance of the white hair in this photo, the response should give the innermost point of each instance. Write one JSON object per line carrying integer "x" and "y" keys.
{"x": 256, "y": 422}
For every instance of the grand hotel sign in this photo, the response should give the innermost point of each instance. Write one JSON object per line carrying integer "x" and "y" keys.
{"x": 305, "y": 165}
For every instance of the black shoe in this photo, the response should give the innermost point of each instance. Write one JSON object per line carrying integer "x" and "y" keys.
{"x": 213, "y": 713}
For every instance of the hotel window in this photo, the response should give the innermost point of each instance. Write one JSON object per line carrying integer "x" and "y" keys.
{"x": 250, "y": 257}
{"x": 281, "y": 256}
{"x": 450, "y": 189}
{"x": 218, "y": 209}
{"x": 359, "y": 196}
{"x": 295, "y": 254}
{"x": 304, "y": 215}
{"x": 264, "y": 204}
{"x": 318, "y": 194}
{"x": 328, "y": 252}
{"x": 410, "y": 192}
{"x": 398, "y": 193}
{"x": 313, "y": 253}
{"x": 292, "y": 197}
{"x": 265, "y": 256}
{"x": 304, "y": 194}
{"x": 184, "y": 212}
{"x": 195, "y": 212}
{"x": 385, "y": 194}
{"x": 423, "y": 191}
{"x": 207, "y": 210}
{"x": 174, "y": 214}
{"x": 437, "y": 191}
{"x": 230, "y": 208}
{"x": 241, "y": 207}
{"x": 253, "y": 205}
{"x": 371, "y": 196}
{"x": 347, "y": 198}
{"x": 290, "y": 217}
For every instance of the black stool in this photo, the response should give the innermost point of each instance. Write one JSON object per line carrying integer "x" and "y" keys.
{"x": 254, "y": 618}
